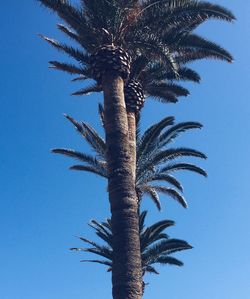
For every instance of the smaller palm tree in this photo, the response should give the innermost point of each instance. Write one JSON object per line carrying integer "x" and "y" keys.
{"x": 156, "y": 160}
{"x": 156, "y": 246}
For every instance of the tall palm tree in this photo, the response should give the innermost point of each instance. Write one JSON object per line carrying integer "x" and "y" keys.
{"x": 109, "y": 32}
{"x": 156, "y": 246}
{"x": 156, "y": 159}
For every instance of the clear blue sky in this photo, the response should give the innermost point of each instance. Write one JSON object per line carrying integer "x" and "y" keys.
{"x": 43, "y": 205}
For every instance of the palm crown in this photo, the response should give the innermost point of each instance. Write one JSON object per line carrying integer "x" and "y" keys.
{"x": 134, "y": 26}
{"x": 156, "y": 246}
{"x": 156, "y": 160}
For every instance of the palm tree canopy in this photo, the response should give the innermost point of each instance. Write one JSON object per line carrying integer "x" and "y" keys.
{"x": 133, "y": 23}
{"x": 151, "y": 31}
{"x": 156, "y": 246}
{"x": 156, "y": 160}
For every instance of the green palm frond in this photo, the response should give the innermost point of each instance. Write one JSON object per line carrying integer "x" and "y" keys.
{"x": 94, "y": 139}
{"x": 101, "y": 252}
{"x": 184, "y": 166}
{"x": 151, "y": 135}
{"x": 142, "y": 218}
{"x": 184, "y": 14}
{"x": 90, "y": 169}
{"x": 72, "y": 52}
{"x": 205, "y": 48}
{"x": 70, "y": 33}
{"x": 154, "y": 233}
{"x": 75, "y": 18}
{"x": 104, "y": 227}
{"x": 88, "y": 90}
{"x": 165, "y": 92}
{"x": 161, "y": 176}
{"x": 165, "y": 247}
{"x": 172, "y": 193}
{"x": 66, "y": 67}
{"x": 149, "y": 162}
{"x": 102, "y": 262}
{"x": 160, "y": 140}
{"x": 151, "y": 269}
{"x": 168, "y": 260}
{"x": 175, "y": 131}
{"x": 158, "y": 72}
{"x": 104, "y": 233}
{"x": 166, "y": 155}
{"x": 187, "y": 74}
{"x": 156, "y": 161}
{"x": 77, "y": 155}
{"x": 153, "y": 48}
{"x": 151, "y": 192}
{"x": 91, "y": 136}
{"x": 101, "y": 114}
{"x": 156, "y": 246}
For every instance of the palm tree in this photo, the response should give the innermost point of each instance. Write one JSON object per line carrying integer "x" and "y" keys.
{"x": 156, "y": 246}
{"x": 109, "y": 33}
{"x": 156, "y": 160}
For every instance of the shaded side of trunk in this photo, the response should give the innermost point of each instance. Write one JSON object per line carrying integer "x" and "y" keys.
{"x": 126, "y": 269}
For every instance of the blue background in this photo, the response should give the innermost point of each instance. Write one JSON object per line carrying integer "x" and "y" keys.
{"x": 44, "y": 206}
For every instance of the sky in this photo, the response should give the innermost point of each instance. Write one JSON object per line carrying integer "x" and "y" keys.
{"x": 44, "y": 206}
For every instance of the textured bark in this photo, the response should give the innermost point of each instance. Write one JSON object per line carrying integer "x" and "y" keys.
{"x": 126, "y": 269}
{"x": 132, "y": 140}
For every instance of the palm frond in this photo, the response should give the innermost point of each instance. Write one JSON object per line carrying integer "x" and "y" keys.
{"x": 167, "y": 155}
{"x": 71, "y": 34}
{"x": 88, "y": 90}
{"x": 168, "y": 260}
{"x": 165, "y": 247}
{"x": 161, "y": 177}
{"x": 154, "y": 233}
{"x": 75, "y": 19}
{"x": 101, "y": 114}
{"x": 142, "y": 218}
{"x": 102, "y": 232}
{"x": 175, "y": 130}
{"x": 172, "y": 193}
{"x": 163, "y": 95}
{"x": 183, "y": 14}
{"x": 151, "y": 135}
{"x": 77, "y": 155}
{"x": 159, "y": 72}
{"x": 151, "y": 269}
{"x": 156, "y": 246}
{"x": 67, "y": 67}
{"x": 202, "y": 45}
{"x": 148, "y": 163}
{"x": 102, "y": 262}
{"x": 91, "y": 136}
{"x": 151, "y": 192}
{"x": 89, "y": 169}
{"x": 101, "y": 252}
{"x": 72, "y": 52}
{"x": 184, "y": 166}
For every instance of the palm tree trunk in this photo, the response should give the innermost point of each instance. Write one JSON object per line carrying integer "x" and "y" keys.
{"x": 132, "y": 139}
{"x": 126, "y": 268}
{"x": 132, "y": 144}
